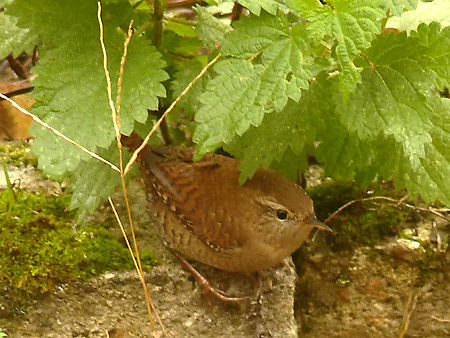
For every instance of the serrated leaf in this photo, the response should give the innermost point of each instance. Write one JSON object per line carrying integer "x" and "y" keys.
{"x": 210, "y": 29}
{"x": 397, "y": 7}
{"x": 383, "y": 157}
{"x": 290, "y": 129}
{"x": 426, "y": 12}
{"x": 12, "y": 38}
{"x": 94, "y": 181}
{"x": 215, "y": 121}
{"x": 270, "y": 6}
{"x": 420, "y": 165}
{"x": 304, "y": 7}
{"x": 393, "y": 94}
{"x": 233, "y": 103}
{"x": 291, "y": 165}
{"x": 353, "y": 24}
{"x": 190, "y": 103}
{"x": 386, "y": 103}
{"x": 181, "y": 29}
{"x": 71, "y": 86}
{"x": 341, "y": 151}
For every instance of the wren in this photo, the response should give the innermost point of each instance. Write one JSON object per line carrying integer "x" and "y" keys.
{"x": 202, "y": 212}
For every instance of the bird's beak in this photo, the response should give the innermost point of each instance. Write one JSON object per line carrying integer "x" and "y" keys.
{"x": 318, "y": 224}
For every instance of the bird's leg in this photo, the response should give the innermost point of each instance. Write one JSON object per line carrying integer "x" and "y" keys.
{"x": 207, "y": 288}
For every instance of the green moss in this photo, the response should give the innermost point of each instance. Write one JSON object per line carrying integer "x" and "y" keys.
{"x": 39, "y": 248}
{"x": 367, "y": 225}
{"x": 361, "y": 223}
{"x": 17, "y": 153}
{"x": 329, "y": 196}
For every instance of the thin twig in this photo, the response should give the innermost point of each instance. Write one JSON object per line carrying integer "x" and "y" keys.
{"x": 117, "y": 126}
{"x": 124, "y": 234}
{"x": 139, "y": 270}
{"x": 409, "y": 309}
{"x": 442, "y": 320}
{"x": 116, "y": 121}
{"x": 16, "y": 66}
{"x": 105, "y": 68}
{"x": 392, "y": 200}
{"x": 58, "y": 133}
{"x": 174, "y": 103}
{"x": 119, "y": 82}
{"x": 118, "y": 137}
{"x": 403, "y": 199}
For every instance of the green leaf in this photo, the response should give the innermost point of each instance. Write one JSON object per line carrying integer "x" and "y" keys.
{"x": 305, "y": 7}
{"x": 397, "y": 7}
{"x": 432, "y": 180}
{"x": 416, "y": 160}
{"x": 342, "y": 153}
{"x": 217, "y": 120}
{"x": 94, "y": 181}
{"x": 291, "y": 129}
{"x": 392, "y": 98}
{"x": 71, "y": 86}
{"x": 190, "y": 103}
{"x": 353, "y": 24}
{"x": 12, "y": 38}
{"x": 181, "y": 29}
{"x": 232, "y": 103}
{"x": 346, "y": 155}
{"x": 426, "y": 12}
{"x": 210, "y": 29}
{"x": 270, "y": 6}
{"x": 291, "y": 165}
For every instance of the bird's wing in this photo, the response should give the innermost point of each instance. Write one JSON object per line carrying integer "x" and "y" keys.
{"x": 204, "y": 195}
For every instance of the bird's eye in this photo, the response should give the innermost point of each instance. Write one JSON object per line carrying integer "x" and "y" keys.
{"x": 282, "y": 214}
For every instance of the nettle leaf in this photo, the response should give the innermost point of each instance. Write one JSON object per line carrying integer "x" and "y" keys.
{"x": 217, "y": 121}
{"x": 268, "y": 67}
{"x": 392, "y": 98}
{"x": 285, "y": 137}
{"x": 353, "y": 24}
{"x": 181, "y": 29}
{"x": 93, "y": 181}
{"x": 426, "y": 12}
{"x": 190, "y": 103}
{"x": 434, "y": 168}
{"x": 12, "y": 38}
{"x": 270, "y": 6}
{"x": 210, "y": 29}
{"x": 396, "y": 7}
{"x": 341, "y": 151}
{"x": 71, "y": 86}
{"x": 427, "y": 49}
{"x": 345, "y": 154}
{"x": 290, "y": 129}
{"x": 305, "y": 7}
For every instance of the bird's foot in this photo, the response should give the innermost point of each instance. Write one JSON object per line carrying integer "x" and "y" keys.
{"x": 206, "y": 285}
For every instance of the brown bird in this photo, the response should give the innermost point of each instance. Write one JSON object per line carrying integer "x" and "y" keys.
{"x": 203, "y": 213}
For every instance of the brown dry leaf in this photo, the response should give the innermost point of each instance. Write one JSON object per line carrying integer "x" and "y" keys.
{"x": 14, "y": 124}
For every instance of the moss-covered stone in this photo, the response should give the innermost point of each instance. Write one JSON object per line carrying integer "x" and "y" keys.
{"x": 363, "y": 222}
{"x": 329, "y": 196}
{"x": 17, "y": 153}
{"x": 40, "y": 249}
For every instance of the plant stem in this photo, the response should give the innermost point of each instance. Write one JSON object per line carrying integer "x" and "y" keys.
{"x": 159, "y": 16}
{"x": 10, "y": 196}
